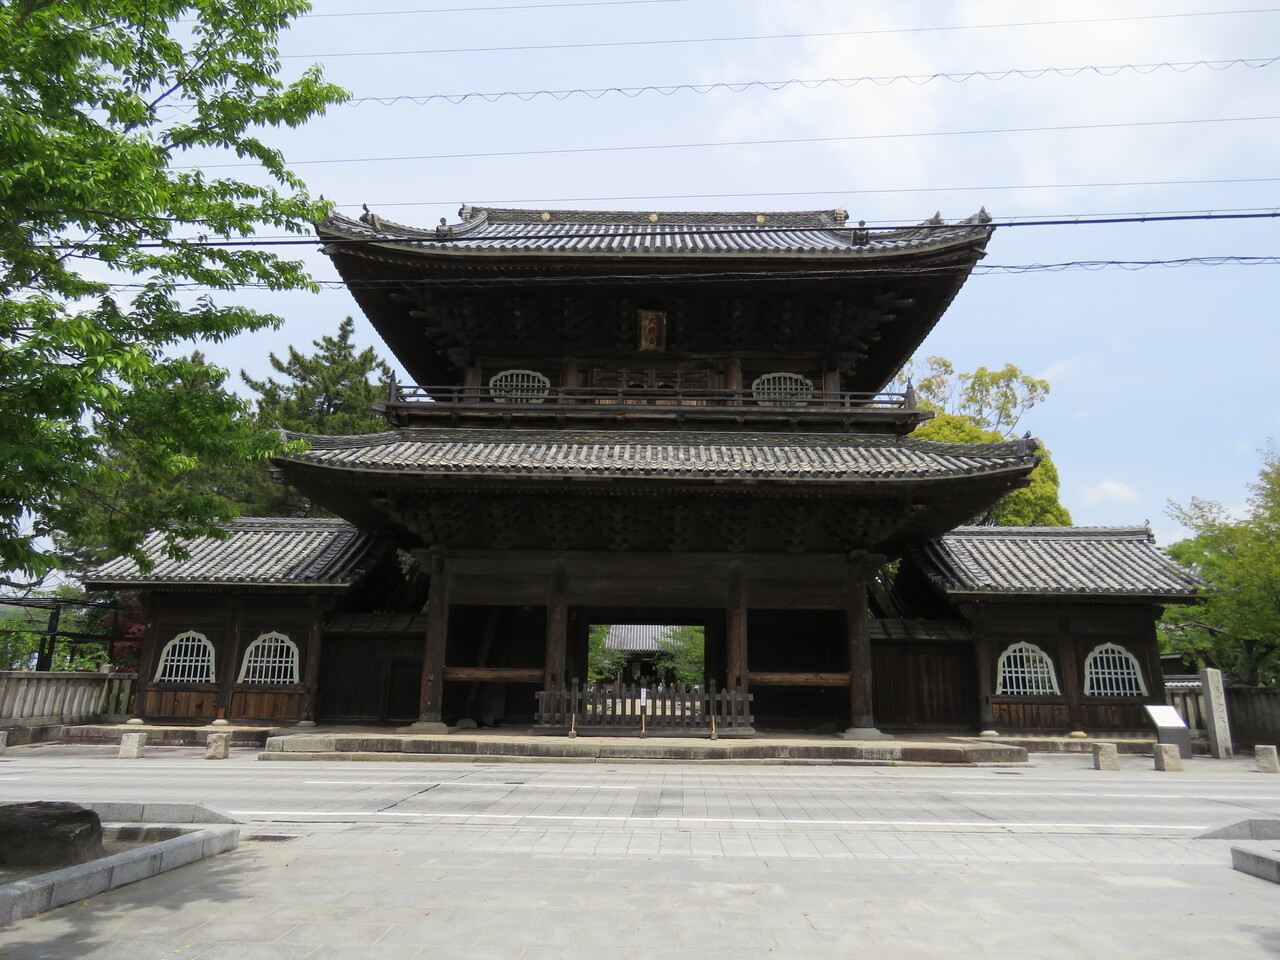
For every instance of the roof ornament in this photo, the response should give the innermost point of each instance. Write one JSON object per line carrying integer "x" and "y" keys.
{"x": 861, "y": 236}
{"x": 1026, "y": 444}
{"x": 371, "y": 218}
{"x": 982, "y": 216}
{"x": 444, "y": 230}
{"x": 935, "y": 221}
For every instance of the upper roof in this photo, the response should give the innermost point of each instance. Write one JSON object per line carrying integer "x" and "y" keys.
{"x": 661, "y": 454}
{"x": 266, "y": 551}
{"x": 684, "y": 233}
{"x": 1039, "y": 561}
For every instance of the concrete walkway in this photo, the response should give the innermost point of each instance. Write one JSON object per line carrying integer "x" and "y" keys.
{"x": 1048, "y": 860}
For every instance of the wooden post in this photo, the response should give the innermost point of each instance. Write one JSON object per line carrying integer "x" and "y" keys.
{"x": 231, "y": 652}
{"x": 733, "y": 379}
{"x": 863, "y": 726}
{"x": 557, "y": 626}
{"x": 736, "y": 629}
{"x": 1072, "y": 681}
{"x": 312, "y": 675}
{"x": 146, "y": 658}
{"x": 429, "y": 707}
{"x": 984, "y": 663}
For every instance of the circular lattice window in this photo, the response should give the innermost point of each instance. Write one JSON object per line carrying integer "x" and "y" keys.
{"x": 782, "y": 388}
{"x": 519, "y": 386}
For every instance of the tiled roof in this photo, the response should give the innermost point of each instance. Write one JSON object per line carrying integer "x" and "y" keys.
{"x": 662, "y": 454}
{"x": 898, "y": 629}
{"x": 260, "y": 551}
{"x": 635, "y": 637}
{"x": 820, "y": 232}
{"x": 1095, "y": 561}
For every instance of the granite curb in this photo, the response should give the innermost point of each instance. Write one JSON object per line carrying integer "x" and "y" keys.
{"x": 201, "y": 833}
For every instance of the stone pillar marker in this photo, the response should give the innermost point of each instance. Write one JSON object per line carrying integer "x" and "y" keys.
{"x": 1267, "y": 759}
{"x": 132, "y": 746}
{"x": 1215, "y": 714}
{"x": 217, "y": 746}
{"x": 1168, "y": 757}
{"x": 4, "y": 740}
{"x": 1105, "y": 757}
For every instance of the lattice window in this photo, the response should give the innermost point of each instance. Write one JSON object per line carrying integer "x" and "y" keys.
{"x": 782, "y": 388}
{"x": 519, "y": 386}
{"x": 1112, "y": 671}
{"x": 1024, "y": 670}
{"x": 187, "y": 658}
{"x": 272, "y": 658}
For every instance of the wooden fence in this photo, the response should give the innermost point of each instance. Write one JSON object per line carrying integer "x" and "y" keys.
{"x": 1252, "y": 712}
{"x": 675, "y": 710}
{"x": 30, "y": 697}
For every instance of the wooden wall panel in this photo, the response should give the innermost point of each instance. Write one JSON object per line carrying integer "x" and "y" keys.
{"x": 1012, "y": 716}
{"x": 191, "y": 703}
{"x": 267, "y": 704}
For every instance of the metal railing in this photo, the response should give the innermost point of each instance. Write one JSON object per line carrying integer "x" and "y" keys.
{"x": 633, "y": 708}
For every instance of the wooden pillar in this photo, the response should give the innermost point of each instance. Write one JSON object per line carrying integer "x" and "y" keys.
{"x": 984, "y": 664}
{"x": 733, "y": 379}
{"x": 311, "y": 678}
{"x": 430, "y": 704}
{"x": 557, "y": 626}
{"x": 231, "y": 651}
{"x": 735, "y": 622}
{"x": 146, "y": 658}
{"x": 863, "y": 721}
{"x": 1072, "y": 681}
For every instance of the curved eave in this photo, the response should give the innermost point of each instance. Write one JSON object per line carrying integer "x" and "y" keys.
{"x": 1083, "y": 595}
{"x": 218, "y": 586}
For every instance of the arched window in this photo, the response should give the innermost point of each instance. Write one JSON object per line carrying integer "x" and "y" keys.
{"x": 782, "y": 388}
{"x": 272, "y": 658}
{"x": 519, "y": 386}
{"x": 1112, "y": 671}
{"x": 1024, "y": 670}
{"x": 187, "y": 658}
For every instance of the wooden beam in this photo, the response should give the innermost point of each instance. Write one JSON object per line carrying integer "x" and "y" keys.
{"x": 311, "y": 676}
{"x": 775, "y": 679}
{"x": 557, "y": 625}
{"x": 736, "y": 628}
{"x": 861, "y": 567}
{"x": 437, "y": 636}
{"x": 494, "y": 674}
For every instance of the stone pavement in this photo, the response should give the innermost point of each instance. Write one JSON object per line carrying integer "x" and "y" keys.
{"x": 1052, "y": 860}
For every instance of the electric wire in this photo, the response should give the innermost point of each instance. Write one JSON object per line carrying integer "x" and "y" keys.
{"x": 514, "y": 6}
{"x": 744, "y": 86}
{"x": 779, "y": 141}
{"x": 676, "y": 231}
{"x": 775, "y": 36}
{"x": 838, "y": 192}
{"x": 982, "y": 269}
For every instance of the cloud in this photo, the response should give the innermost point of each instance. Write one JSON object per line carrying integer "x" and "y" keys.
{"x": 1110, "y": 492}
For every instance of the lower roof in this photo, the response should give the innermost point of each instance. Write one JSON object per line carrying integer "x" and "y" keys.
{"x": 1053, "y": 561}
{"x": 257, "y": 551}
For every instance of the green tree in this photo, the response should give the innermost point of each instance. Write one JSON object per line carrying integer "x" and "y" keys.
{"x": 1237, "y": 625}
{"x": 603, "y": 663}
{"x": 683, "y": 651}
{"x": 330, "y": 392}
{"x": 990, "y": 399}
{"x": 105, "y": 105}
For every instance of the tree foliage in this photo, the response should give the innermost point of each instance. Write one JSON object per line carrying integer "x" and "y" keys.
{"x": 104, "y": 107}
{"x": 1237, "y": 626}
{"x": 603, "y": 663}
{"x": 991, "y": 399}
{"x": 984, "y": 407}
{"x": 683, "y": 651}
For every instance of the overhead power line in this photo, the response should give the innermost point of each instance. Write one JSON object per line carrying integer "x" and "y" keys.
{"x": 839, "y": 192}
{"x": 590, "y": 45}
{"x": 678, "y": 231}
{"x": 982, "y": 269}
{"x": 744, "y": 86}
{"x": 490, "y": 9}
{"x": 864, "y": 137}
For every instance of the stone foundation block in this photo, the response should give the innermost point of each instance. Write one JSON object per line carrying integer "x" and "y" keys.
{"x": 132, "y": 746}
{"x": 217, "y": 746}
{"x": 1266, "y": 758}
{"x": 4, "y": 740}
{"x": 1106, "y": 757}
{"x": 1168, "y": 757}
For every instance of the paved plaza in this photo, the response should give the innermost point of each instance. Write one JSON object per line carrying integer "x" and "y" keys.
{"x": 524, "y": 861}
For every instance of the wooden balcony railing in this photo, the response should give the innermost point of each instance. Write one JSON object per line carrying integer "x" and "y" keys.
{"x": 686, "y": 396}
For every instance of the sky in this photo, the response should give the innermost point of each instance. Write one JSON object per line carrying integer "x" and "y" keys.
{"x": 1163, "y": 383}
